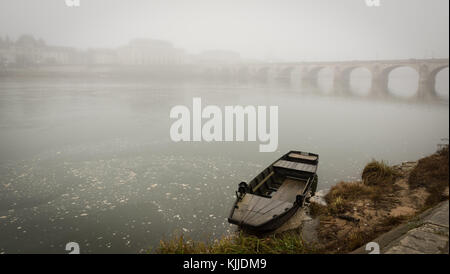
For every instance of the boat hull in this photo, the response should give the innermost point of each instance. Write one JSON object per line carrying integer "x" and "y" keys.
{"x": 276, "y": 194}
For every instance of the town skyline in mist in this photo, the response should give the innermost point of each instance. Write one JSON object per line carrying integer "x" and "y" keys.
{"x": 319, "y": 30}
{"x": 205, "y": 56}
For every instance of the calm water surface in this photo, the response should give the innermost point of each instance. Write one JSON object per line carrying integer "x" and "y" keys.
{"x": 92, "y": 162}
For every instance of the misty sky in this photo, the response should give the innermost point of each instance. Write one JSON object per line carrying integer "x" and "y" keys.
{"x": 289, "y": 30}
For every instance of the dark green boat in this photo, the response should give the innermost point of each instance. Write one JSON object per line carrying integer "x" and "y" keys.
{"x": 276, "y": 193}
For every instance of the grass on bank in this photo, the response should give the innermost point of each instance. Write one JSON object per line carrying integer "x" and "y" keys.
{"x": 377, "y": 179}
{"x": 377, "y": 183}
{"x": 378, "y": 173}
{"x": 283, "y": 243}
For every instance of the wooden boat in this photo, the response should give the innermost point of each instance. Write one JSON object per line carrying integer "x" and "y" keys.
{"x": 276, "y": 193}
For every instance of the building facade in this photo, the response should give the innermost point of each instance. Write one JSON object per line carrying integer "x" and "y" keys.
{"x": 150, "y": 52}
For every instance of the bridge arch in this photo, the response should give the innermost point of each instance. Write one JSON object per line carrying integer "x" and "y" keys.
{"x": 439, "y": 76}
{"x": 359, "y": 80}
{"x": 356, "y": 80}
{"x": 402, "y": 80}
{"x": 285, "y": 73}
{"x": 314, "y": 71}
{"x": 311, "y": 76}
{"x": 324, "y": 79}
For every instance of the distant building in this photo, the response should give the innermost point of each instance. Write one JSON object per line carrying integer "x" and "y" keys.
{"x": 6, "y": 55}
{"x": 103, "y": 57}
{"x": 219, "y": 57}
{"x": 61, "y": 56}
{"x": 150, "y": 52}
{"x": 27, "y": 51}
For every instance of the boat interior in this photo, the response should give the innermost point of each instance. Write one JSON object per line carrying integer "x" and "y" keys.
{"x": 275, "y": 190}
{"x": 286, "y": 178}
{"x": 273, "y": 196}
{"x": 275, "y": 185}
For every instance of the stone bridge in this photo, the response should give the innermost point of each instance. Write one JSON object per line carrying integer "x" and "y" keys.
{"x": 308, "y": 73}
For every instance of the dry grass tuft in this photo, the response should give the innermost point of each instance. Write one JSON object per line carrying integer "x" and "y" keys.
{"x": 378, "y": 173}
{"x": 341, "y": 197}
{"x": 377, "y": 180}
{"x": 178, "y": 244}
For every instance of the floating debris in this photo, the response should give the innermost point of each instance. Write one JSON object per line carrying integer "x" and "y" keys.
{"x": 96, "y": 187}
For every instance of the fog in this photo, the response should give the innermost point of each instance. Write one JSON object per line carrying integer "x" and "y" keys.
{"x": 86, "y": 149}
{"x": 287, "y": 30}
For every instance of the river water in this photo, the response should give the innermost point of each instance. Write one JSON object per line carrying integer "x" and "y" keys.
{"x": 92, "y": 162}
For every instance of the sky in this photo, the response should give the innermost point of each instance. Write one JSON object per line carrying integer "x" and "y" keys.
{"x": 283, "y": 30}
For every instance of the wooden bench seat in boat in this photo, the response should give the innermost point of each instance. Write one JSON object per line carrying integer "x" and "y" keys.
{"x": 302, "y": 156}
{"x": 296, "y": 166}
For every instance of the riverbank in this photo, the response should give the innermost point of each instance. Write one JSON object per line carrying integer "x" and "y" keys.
{"x": 425, "y": 234}
{"x": 350, "y": 215}
{"x": 358, "y": 212}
